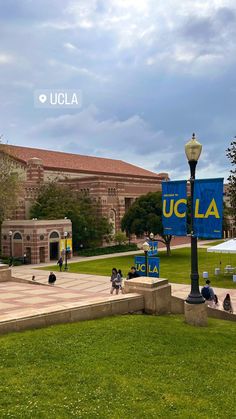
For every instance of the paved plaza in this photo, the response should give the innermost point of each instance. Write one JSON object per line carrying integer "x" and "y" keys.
{"x": 20, "y": 300}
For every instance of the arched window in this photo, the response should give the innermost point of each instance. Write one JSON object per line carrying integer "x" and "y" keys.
{"x": 17, "y": 236}
{"x": 54, "y": 235}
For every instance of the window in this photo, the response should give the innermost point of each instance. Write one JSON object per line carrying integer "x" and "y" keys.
{"x": 111, "y": 191}
{"x": 17, "y": 236}
{"x": 54, "y": 235}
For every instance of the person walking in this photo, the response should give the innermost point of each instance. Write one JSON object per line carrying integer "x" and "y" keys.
{"x": 114, "y": 281}
{"x": 52, "y": 278}
{"x": 60, "y": 263}
{"x": 227, "y": 305}
{"x": 208, "y": 293}
{"x": 119, "y": 280}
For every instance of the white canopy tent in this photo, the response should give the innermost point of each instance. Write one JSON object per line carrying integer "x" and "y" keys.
{"x": 227, "y": 247}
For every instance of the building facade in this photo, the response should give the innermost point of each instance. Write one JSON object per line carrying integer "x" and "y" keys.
{"x": 36, "y": 241}
{"x": 115, "y": 184}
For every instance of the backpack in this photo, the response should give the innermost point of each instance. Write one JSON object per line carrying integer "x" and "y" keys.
{"x": 206, "y": 293}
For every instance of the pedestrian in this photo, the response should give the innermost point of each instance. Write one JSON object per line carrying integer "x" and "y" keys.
{"x": 33, "y": 277}
{"x": 114, "y": 282}
{"x": 132, "y": 273}
{"x": 52, "y": 278}
{"x": 60, "y": 263}
{"x": 227, "y": 305}
{"x": 216, "y": 302}
{"x": 208, "y": 293}
{"x": 120, "y": 280}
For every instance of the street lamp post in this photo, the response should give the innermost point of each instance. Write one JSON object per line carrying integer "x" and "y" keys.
{"x": 151, "y": 236}
{"x": 65, "y": 236}
{"x": 193, "y": 150}
{"x": 10, "y": 237}
{"x": 146, "y": 249}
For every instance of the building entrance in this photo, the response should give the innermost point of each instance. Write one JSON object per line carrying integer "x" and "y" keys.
{"x": 54, "y": 250}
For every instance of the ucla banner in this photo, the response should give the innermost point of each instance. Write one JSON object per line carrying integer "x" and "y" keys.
{"x": 153, "y": 266}
{"x": 174, "y": 203}
{"x": 208, "y": 208}
{"x": 153, "y": 246}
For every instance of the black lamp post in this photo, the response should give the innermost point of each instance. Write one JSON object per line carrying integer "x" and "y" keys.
{"x": 193, "y": 150}
{"x": 146, "y": 248}
{"x": 65, "y": 236}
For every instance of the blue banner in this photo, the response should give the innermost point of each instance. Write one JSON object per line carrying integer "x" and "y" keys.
{"x": 174, "y": 204}
{"x": 153, "y": 266}
{"x": 153, "y": 248}
{"x": 208, "y": 208}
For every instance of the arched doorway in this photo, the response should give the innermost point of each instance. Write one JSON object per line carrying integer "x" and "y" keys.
{"x": 54, "y": 240}
{"x": 17, "y": 250}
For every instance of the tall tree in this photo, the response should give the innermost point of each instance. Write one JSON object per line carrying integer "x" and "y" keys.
{"x": 144, "y": 216}
{"x": 9, "y": 184}
{"x": 231, "y": 154}
{"x": 57, "y": 201}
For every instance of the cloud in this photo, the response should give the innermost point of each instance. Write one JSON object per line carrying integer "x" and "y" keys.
{"x": 6, "y": 58}
{"x": 150, "y": 74}
{"x": 132, "y": 135}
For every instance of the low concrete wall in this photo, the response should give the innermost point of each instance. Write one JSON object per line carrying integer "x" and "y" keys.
{"x": 177, "y": 305}
{"x": 118, "y": 305}
{"x": 220, "y": 314}
{"x": 5, "y": 273}
{"x": 156, "y": 293}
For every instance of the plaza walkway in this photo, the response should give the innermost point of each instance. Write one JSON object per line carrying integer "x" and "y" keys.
{"x": 19, "y": 300}
{"x": 29, "y": 298}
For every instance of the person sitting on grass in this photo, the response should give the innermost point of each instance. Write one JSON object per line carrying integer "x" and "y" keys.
{"x": 227, "y": 305}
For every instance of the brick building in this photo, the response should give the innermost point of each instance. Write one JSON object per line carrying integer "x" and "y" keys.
{"x": 113, "y": 183}
{"x": 36, "y": 241}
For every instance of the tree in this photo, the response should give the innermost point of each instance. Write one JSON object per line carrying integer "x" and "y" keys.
{"x": 145, "y": 216}
{"x": 9, "y": 184}
{"x": 120, "y": 238}
{"x": 231, "y": 154}
{"x": 57, "y": 201}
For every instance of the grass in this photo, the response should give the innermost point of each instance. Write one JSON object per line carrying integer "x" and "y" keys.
{"x": 120, "y": 367}
{"x": 175, "y": 268}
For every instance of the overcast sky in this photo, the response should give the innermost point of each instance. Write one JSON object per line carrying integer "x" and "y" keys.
{"x": 151, "y": 72}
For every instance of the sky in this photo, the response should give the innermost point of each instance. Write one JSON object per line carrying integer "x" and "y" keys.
{"x": 150, "y": 73}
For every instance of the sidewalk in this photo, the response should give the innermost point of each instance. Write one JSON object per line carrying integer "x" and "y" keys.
{"x": 23, "y": 300}
{"x": 70, "y": 288}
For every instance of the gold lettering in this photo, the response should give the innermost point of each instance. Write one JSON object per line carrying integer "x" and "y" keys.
{"x": 177, "y": 213}
{"x": 212, "y": 210}
{"x": 165, "y": 213}
{"x": 197, "y": 214}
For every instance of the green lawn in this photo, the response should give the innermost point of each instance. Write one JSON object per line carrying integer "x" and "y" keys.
{"x": 120, "y": 367}
{"x": 175, "y": 268}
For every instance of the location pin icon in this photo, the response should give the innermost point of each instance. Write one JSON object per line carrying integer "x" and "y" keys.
{"x": 42, "y": 98}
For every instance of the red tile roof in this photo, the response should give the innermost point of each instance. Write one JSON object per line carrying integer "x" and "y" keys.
{"x": 77, "y": 163}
